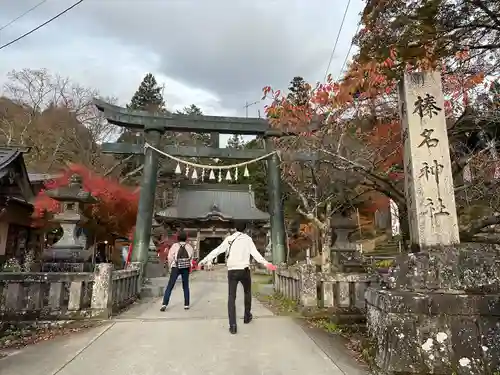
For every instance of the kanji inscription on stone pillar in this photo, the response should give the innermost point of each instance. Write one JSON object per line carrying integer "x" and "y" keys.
{"x": 428, "y": 175}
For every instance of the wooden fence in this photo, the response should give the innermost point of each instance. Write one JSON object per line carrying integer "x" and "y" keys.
{"x": 27, "y": 296}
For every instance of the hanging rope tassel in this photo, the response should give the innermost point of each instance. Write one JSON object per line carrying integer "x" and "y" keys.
{"x": 189, "y": 164}
{"x": 228, "y": 176}
{"x": 203, "y": 175}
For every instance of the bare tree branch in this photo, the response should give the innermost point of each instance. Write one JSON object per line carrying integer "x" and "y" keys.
{"x": 117, "y": 164}
{"x": 132, "y": 173}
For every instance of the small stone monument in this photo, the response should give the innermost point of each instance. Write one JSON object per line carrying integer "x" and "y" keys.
{"x": 439, "y": 313}
{"x": 68, "y": 254}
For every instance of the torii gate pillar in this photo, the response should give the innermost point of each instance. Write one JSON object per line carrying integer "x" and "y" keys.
{"x": 276, "y": 211}
{"x": 147, "y": 195}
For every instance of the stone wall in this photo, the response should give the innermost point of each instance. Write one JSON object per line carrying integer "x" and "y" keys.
{"x": 439, "y": 314}
{"x": 27, "y": 296}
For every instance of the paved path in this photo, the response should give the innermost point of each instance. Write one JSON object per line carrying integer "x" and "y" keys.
{"x": 145, "y": 341}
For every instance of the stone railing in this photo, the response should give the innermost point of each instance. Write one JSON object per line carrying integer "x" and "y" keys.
{"x": 26, "y": 296}
{"x": 342, "y": 292}
{"x": 125, "y": 287}
{"x": 287, "y": 283}
{"x": 46, "y": 296}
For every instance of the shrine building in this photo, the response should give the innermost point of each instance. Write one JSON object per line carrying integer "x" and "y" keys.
{"x": 207, "y": 212}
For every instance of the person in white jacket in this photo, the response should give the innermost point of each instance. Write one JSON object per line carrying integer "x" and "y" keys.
{"x": 238, "y": 248}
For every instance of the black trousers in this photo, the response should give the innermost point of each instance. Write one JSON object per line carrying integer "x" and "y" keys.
{"x": 234, "y": 277}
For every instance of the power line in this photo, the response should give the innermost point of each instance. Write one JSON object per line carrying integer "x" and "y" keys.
{"x": 349, "y": 51}
{"x": 42, "y": 25}
{"x": 247, "y": 104}
{"x": 337, "y": 40}
{"x": 22, "y": 15}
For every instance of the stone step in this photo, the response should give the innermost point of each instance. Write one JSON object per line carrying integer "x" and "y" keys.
{"x": 386, "y": 248}
{"x": 384, "y": 251}
{"x": 387, "y": 245}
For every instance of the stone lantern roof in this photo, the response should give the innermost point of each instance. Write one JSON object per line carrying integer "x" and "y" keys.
{"x": 72, "y": 193}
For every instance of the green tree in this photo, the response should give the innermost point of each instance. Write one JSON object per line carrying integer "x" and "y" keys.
{"x": 148, "y": 96}
{"x": 298, "y": 92}
{"x": 236, "y": 142}
{"x": 197, "y": 139}
{"x": 192, "y": 110}
{"x": 258, "y": 180}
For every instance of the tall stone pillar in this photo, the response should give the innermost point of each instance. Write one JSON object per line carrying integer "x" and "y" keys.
{"x": 439, "y": 313}
{"x": 428, "y": 178}
{"x": 144, "y": 220}
{"x": 275, "y": 206}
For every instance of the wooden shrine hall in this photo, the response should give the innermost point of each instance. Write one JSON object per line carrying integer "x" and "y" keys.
{"x": 207, "y": 212}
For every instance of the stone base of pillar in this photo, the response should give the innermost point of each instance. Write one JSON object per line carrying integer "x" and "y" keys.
{"x": 439, "y": 314}
{"x": 154, "y": 266}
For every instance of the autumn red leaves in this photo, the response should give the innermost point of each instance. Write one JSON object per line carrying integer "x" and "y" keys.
{"x": 117, "y": 204}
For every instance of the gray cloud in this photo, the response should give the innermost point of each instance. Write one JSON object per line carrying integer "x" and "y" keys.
{"x": 229, "y": 47}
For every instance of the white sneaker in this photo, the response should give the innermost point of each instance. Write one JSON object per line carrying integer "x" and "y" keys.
{"x": 186, "y": 307}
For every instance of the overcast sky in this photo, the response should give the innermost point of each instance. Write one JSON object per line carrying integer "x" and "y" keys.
{"x": 217, "y": 54}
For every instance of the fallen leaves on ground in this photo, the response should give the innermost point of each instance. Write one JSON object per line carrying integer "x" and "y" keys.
{"x": 18, "y": 335}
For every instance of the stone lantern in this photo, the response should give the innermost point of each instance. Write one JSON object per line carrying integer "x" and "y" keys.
{"x": 345, "y": 256}
{"x": 268, "y": 253}
{"x": 342, "y": 227}
{"x": 71, "y": 251}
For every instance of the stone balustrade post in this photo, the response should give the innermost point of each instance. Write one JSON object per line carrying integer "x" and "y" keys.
{"x": 102, "y": 291}
{"x": 308, "y": 286}
{"x": 138, "y": 286}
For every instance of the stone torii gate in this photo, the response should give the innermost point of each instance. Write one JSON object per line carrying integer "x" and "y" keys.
{"x": 156, "y": 124}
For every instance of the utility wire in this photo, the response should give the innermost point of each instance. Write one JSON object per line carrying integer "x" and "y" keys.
{"x": 22, "y": 15}
{"x": 337, "y": 40}
{"x": 349, "y": 51}
{"x": 42, "y": 25}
